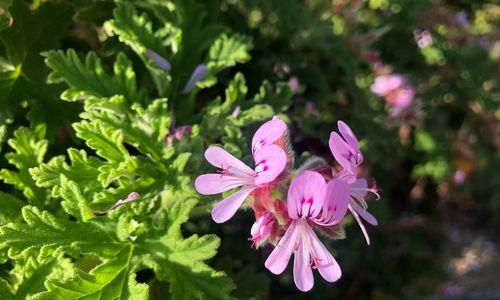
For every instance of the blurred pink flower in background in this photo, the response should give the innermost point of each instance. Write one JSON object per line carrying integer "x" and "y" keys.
{"x": 452, "y": 289}
{"x": 294, "y": 84}
{"x": 423, "y": 38}
{"x": 311, "y": 108}
{"x": 462, "y": 19}
{"x": 394, "y": 88}
{"x": 459, "y": 177}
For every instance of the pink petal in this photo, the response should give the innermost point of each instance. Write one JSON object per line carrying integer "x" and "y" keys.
{"x": 302, "y": 272}
{"x": 306, "y": 195}
{"x": 278, "y": 259}
{"x": 342, "y": 153}
{"x": 225, "y": 209}
{"x": 351, "y": 140}
{"x": 220, "y": 158}
{"x": 327, "y": 265}
{"x": 401, "y": 97}
{"x": 270, "y": 161}
{"x": 365, "y": 214}
{"x": 363, "y": 229}
{"x": 335, "y": 204}
{"x": 385, "y": 84}
{"x": 210, "y": 184}
{"x": 346, "y": 176}
{"x": 268, "y": 133}
{"x": 348, "y": 135}
{"x": 359, "y": 188}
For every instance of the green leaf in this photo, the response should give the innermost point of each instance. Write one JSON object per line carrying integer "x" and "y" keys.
{"x": 11, "y": 207}
{"x": 48, "y": 236}
{"x": 29, "y": 150}
{"x": 424, "y": 141}
{"x": 136, "y": 30}
{"x": 82, "y": 169}
{"x": 155, "y": 120}
{"x": 180, "y": 161}
{"x": 3, "y": 132}
{"x": 181, "y": 261}
{"x": 7, "y": 80}
{"x": 111, "y": 280}
{"x": 74, "y": 203}
{"x": 5, "y": 291}
{"x": 29, "y": 277}
{"x": 89, "y": 79}
{"x": 113, "y": 171}
{"x": 279, "y": 98}
{"x": 228, "y": 51}
{"x": 138, "y": 130}
{"x": 106, "y": 141}
{"x": 32, "y": 31}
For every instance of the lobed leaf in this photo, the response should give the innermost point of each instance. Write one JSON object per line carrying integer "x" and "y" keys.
{"x": 89, "y": 79}
{"x": 29, "y": 150}
{"x": 73, "y": 201}
{"x": 82, "y": 169}
{"x": 46, "y": 235}
{"x": 181, "y": 261}
{"x": 106, "y": 141}
{"x": 112, "y": 279}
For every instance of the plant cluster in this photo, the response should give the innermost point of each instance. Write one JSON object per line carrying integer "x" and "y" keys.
{"x": 108, "y": 106}
{"x": 317, "y": 198}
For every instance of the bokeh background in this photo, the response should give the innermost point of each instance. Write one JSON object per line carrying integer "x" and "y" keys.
{"x": 436, "y": 159}
{"x": 437, "y": 163}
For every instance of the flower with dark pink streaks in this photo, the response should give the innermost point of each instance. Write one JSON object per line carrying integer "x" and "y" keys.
{"x": 347, "y": 153}
{"x": 262, "y": 228}
{"x": 270, "y": 161}
{"x": 288, "y": 214}
{"x": 310, "y": 201}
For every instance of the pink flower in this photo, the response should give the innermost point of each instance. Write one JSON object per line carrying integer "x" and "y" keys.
{"x": 262, "y": 228}
{"x": 423, "y": 38}
{"x": 401, "y": 97}
{"x": 347, "y": 153}
{"x": 310, "y": 202}
{"x": 385, "y": 84}
{"x": 394, "y": 89}
{"x": 358, "y": 207}
{"x": 269, "y": 159}
{"x": 268, "y": 133}
{"x": 294, "y": 84}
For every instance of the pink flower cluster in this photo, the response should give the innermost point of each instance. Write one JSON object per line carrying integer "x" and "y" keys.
{"x": 394, "y": 88}
{"x": 289, "y": 208}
